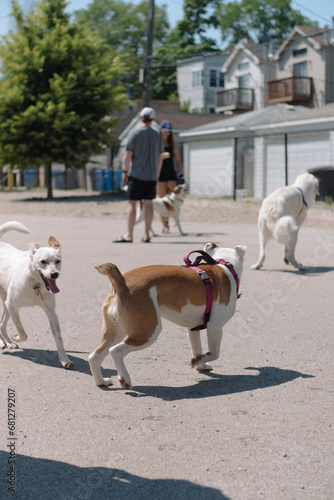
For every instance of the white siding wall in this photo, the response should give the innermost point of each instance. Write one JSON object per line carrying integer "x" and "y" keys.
{"x": 275, "y": 163}
{"x": 184, "y": 84}
{"x": 305, "y": 151}
{"x": 259, "y": 168}
{"x": 211, "y": 168}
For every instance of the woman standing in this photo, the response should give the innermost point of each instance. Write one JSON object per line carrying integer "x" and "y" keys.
{"x": 168, "y": 177}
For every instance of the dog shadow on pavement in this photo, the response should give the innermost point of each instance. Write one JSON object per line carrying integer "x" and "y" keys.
{"x": 45, "y": 478}
{"x": 310, "y": 271}
{"x": 223, "y": 385}
{"x": 46, "y": 357}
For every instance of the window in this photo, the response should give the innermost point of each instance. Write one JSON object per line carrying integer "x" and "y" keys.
{"x": 299, "y": 52}
{"x": 216, "y": 78}
{"x": 197, "y": 78}
{"x": 244, "y": 65}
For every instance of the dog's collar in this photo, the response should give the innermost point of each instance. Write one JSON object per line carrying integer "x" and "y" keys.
{"x": 303, "y": 198}
{"x": 206, "y": 280}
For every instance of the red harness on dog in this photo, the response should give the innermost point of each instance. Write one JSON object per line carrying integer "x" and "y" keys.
{"x": 206, "y": 280}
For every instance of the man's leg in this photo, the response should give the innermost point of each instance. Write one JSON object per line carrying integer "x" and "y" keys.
{"x": 130, "y": 218}
{"x": 148, "y": 204}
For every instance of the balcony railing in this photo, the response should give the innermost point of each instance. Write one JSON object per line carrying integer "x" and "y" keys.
{"x": 296, "y": 89}
{"x": 240, "y": 99}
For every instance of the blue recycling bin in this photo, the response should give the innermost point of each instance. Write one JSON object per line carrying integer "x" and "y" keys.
{"x": 31, "y": 177}
{"x": 106, "y": 180}
{"x": 59, "y": 180}
{"x": 117, "y": 180}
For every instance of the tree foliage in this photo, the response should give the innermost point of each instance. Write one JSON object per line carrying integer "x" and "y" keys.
{"x": 58, "y": 90}
{"x": 257, "y": 19}
{"x": 123, "y": 27}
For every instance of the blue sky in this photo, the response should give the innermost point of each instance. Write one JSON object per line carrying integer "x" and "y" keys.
{"x": 321, "y": 11}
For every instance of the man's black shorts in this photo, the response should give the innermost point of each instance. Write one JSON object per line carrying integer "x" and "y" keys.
{"x": 141, "y": 190}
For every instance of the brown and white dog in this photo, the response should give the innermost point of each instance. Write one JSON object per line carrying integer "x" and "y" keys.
{"x": 167, "y": 206}
{"x": 281, "y": 215}
{"x": 28, "y": 279}
{"x": 133, "y": 309}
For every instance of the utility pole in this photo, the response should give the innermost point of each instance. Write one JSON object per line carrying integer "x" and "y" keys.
{"x": 147, "y": 85}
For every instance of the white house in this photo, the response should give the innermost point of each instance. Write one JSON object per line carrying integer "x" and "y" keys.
{"x": 198, "y": 78}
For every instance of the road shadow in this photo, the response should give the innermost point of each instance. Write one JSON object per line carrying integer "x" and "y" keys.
{"x": 222, "y": 385}
{"x": 304, "y": 272}
{"x": 42, "y": 478}
{"x": 98, "y": 197}
{"x": 46, "y": 357}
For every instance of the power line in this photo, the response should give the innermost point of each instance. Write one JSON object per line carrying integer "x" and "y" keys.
{"x": 311, "y": 12}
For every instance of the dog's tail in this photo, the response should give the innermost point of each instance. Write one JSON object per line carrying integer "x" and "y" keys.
{"x": 283, "y": 229}
{"x": 140, "y": 212}
{"x": 115, "y": 277}
{"x": 13, "y": 226}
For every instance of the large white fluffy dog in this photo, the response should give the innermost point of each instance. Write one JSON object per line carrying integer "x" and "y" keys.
{"x": 281, "y": 215}
{"x": 29, "y": 279}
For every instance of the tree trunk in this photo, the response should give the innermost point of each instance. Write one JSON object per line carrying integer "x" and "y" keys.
{"x": 48, "y": 174}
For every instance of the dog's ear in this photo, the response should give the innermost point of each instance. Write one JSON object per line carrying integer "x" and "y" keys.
{"x": 33, "y": 247}
{"x": 240, "y": 252}
{"x": 209, "y": 246}
{"x": 54, "y": 243}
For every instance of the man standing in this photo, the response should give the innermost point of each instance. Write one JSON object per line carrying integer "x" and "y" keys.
{"x": 142, "y": 165}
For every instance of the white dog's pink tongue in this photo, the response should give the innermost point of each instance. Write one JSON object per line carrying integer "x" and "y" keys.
{"x": 52, "y": 286}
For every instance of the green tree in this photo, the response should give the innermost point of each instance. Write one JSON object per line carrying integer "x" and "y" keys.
{"x": 256, "y": 19}
{"x": 123, "y": 27}
{"x": 188, "y": 38}
{"x": 58, "y": 91}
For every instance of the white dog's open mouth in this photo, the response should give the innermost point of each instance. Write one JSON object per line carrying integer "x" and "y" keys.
{"x": 50, "y": 284}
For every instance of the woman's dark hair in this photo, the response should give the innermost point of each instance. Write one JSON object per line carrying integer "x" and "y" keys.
{"x": 170, "y": 139}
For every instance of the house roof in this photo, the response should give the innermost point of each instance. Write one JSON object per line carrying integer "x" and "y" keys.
{"x": 164, "y": 111}
{"x": 271, "y": 114}
{"x": 324, "y": 114}
{"x": 313, "y": 34}
{"x": 258, "y": 50}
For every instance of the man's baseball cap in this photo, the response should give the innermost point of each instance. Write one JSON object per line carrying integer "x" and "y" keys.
{"x": 148, "y": 112}
{"x": 166, "y": 126}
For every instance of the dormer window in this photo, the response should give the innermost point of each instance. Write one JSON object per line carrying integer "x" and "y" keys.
{"x": 244, "y": 65}
{"x": 299, "y": 52}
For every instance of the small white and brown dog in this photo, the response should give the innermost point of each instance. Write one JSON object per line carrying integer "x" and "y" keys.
{"x": 27, "y": 279}
{"x": 133, "y": 309}
{"x": 167, "y": 206}
{"x": 281, "y": 215}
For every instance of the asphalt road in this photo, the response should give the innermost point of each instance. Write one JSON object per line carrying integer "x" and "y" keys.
{"x": 259, "y": 426}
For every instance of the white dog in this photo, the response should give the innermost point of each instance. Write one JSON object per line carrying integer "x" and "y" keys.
{"x": 29, "y": 279}
{"x": 281, "y": 215}
{"x": 133, "y": 309}
{"x": 167, "y": 206}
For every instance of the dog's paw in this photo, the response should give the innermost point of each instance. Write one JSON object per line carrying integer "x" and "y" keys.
{"x": 197, "y": 360}
{"x": 204, "y": 367}
{"x": 106, "y": 382}
{"x": 256, "y": 266}
{"x": 20, "y": 337}
{"x": 68, "y": 365}
{"x": 125, "y": 385}
{"x": 9, "y": 345}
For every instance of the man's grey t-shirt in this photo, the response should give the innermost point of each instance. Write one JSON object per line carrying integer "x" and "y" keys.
{"x": 146, "y": 145}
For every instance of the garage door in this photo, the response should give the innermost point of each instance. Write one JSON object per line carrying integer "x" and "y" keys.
{"x": 275, "y": 163}
{"x": 305, "y": 152}
{"x": 211, "y": 168}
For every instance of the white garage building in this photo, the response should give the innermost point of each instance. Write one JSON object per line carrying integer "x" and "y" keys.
{"x": 254, "y": 153}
